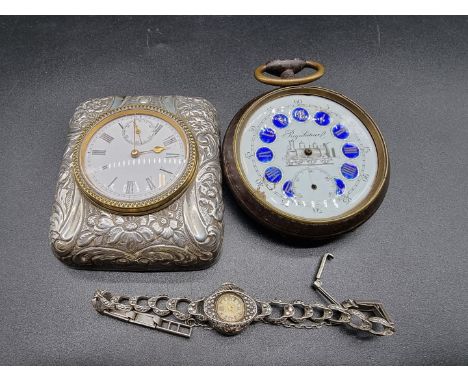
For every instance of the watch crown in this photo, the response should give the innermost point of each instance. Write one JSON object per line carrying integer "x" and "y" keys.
{"x": 230, "y": 286}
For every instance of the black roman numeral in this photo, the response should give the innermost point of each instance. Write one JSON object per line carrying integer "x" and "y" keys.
{"x": 169, "y": 140}
{"x": 130, "y": 187}
{"x": 157, "y": 128}
{"x": 150, "y": 184}
{"x": 106, "y": 137}
{"x": 111, "y": 183}
{"x": 166, "y": 171}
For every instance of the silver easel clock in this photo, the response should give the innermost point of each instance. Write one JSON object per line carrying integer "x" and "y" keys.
{"x": 140, "y": 186}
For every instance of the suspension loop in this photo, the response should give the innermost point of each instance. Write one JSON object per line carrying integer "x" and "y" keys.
{"x": 282, "y": 72}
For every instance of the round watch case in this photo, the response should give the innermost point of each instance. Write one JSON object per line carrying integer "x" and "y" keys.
{"x": 228, "y": 327}
{"x": 253, "y": 202}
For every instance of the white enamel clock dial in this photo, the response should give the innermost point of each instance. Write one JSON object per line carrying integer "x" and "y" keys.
{"x": 134, "y": 157}
{"x": 307, "y": 156}
{"x": 135, "y": 160}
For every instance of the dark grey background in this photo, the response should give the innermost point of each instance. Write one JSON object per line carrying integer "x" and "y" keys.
{"x": 410, "y": 73}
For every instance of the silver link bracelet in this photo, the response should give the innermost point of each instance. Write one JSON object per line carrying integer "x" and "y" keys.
{"x": 230, "y": 310}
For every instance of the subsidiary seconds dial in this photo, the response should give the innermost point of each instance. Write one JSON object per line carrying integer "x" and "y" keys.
{"x": 140, "y": 130}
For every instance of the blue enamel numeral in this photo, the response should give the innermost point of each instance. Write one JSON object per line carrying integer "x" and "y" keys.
{"x": 340, "y": 131}
{"x": 300, "y": 114}
{"x": 264, "y": 154}
{"x": 349, "y": 170}
{"x": 340, "y": 186}
{"x": 273, "y": 174}
{"x": 288, "y": 189}
{"x": 267, "y": 135}
{"x": 322, "y": 118}
{"x": 350, "y": 150}
{"x": 280, "y": 121}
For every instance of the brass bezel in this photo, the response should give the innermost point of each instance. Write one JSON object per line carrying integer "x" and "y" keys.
{"x": 147, "y": 205}
{"x": 301, "y": 226}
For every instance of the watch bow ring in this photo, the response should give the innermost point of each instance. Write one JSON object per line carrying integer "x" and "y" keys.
{"x": 286, "y": 69}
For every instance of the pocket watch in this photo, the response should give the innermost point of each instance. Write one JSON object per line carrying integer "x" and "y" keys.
{"x": 140, "y": 185}
{"x": 306, "y": 162}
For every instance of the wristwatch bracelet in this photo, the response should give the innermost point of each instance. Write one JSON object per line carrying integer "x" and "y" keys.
{"x": 229, "y": 310}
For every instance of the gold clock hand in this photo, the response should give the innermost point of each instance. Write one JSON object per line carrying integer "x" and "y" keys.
{"x": 138, "y": 131}
{"x": 134, "y": 133}
{"x": 155, "y": 149}
{"x": 134, "y": 153}
{"x": 158, "y": 149}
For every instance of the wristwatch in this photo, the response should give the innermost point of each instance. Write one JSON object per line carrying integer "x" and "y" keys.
{"x": 229, "y": 310}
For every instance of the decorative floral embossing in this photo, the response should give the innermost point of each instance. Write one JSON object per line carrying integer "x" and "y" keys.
{"x": 210, "y": 198}
{"x": 201, "y": 116}
{"x": 165, "y": 226}
{"x": 168, "y": 224}
{"x": 154, "y": 257}
{"x": 67, "y": 211}
{"x": 114, "y": 229}
{"x": 185, "y": 235}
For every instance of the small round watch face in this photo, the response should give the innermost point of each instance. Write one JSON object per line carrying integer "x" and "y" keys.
{"x": 307, "y": 156}
{"x": 230, "y": 310}
{"x": 135, "y": 157}
{"x": 230, "y": 307}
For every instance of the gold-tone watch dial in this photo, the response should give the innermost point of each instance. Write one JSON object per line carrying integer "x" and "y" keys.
{"x": 230, "y": 307}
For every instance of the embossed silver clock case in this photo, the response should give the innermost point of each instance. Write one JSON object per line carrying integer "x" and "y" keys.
{"x": 185, "y": 231}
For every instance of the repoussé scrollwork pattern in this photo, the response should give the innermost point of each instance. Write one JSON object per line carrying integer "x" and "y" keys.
{"x": 185, "y": 235}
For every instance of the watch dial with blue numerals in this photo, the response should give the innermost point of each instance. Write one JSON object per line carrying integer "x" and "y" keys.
{"x": 307, "y": 156}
